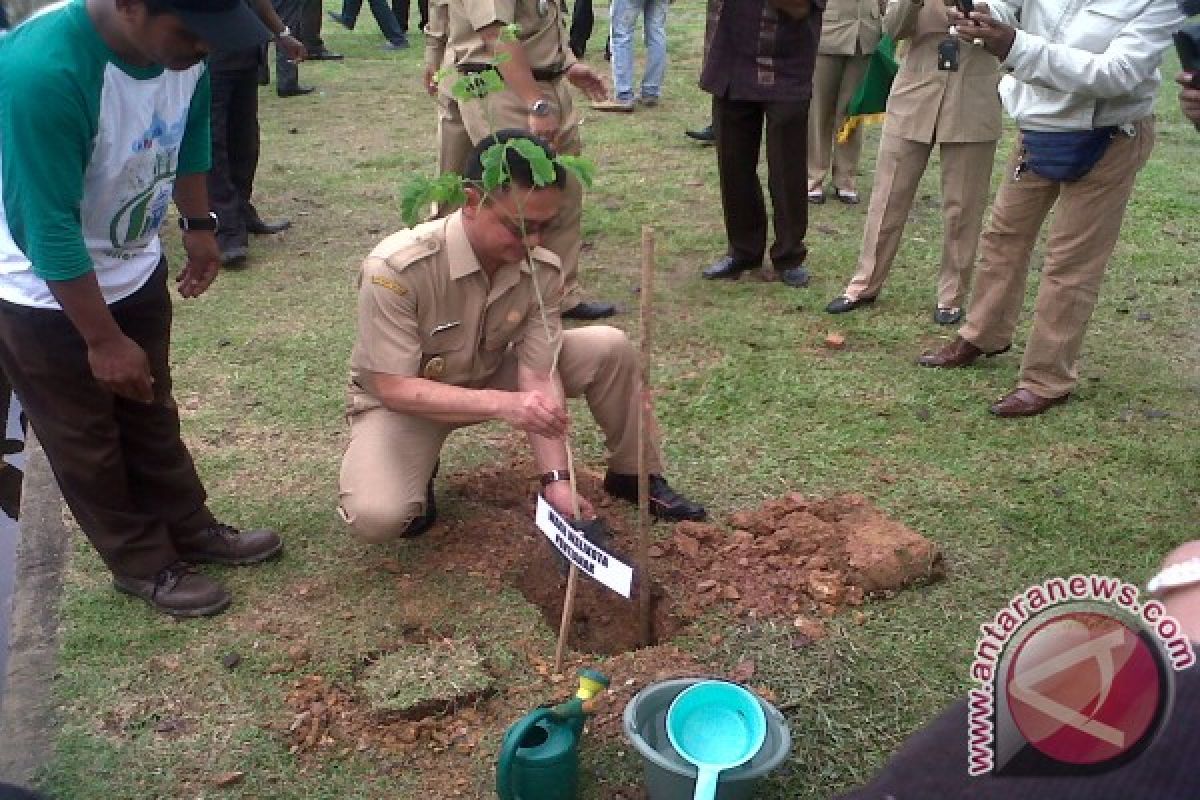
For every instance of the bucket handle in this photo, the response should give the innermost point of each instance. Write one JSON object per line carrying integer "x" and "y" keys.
{"x": 508, "y": 751}
{"x": 706, "y": 782}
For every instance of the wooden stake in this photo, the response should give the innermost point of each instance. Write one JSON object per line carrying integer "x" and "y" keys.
{"x": 646, "y": 621}
{"x": 564, "y": 624}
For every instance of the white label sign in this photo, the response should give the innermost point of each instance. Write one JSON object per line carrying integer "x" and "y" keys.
{"x": 591, "y": 560}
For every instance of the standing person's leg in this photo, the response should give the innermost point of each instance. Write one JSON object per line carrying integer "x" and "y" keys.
{"x": 400, "y": 9}
{"x": 583, "y": 20}
{"x": 392, "y": 29}
{"x": 739, "y": 128}
{"x": 655, "y": 22}
{"x": 287, "y": 75}
{"x": 1084, "y": 231}
{"x": 224, "y": 197}
{"x": 846, "y": 155}
{"x": 827, "y": 76}
{"x": 625, "y": 14}
{"x": 966, "y": 182}
{"x": 245, "y": 147}
{"x": 423, "y": 12}
{"x": 898, "y": 172}
{"x": 348, "y": 17}
{"x": 453, "y": 142}
{"x": 313, "y": 17}
{"x": 787, "y": 124}
{"x": 1005, "y": 248}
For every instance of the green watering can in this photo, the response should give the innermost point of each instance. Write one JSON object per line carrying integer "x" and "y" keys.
{"x": 539, "y": 757}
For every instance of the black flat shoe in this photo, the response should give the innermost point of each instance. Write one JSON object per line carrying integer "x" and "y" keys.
{"x": 704, "y": 135}
{"x": 263, "y": 228}
{"x": 665, "y": 503}
{"x": 340, "y": 20}
{"x": 589, "y": 311}
{"x": 325, "y": 55}
{"x": 727, "y": 269}
{"x": 296, "y": 91}
{"x": 842, "y": 304}
{"x": 947, "y": 316}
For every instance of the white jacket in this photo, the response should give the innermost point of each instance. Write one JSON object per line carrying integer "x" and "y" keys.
{"x": 1081, "y": 64}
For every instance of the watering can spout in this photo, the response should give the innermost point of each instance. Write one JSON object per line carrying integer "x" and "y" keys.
{"x": 539, "y": 758}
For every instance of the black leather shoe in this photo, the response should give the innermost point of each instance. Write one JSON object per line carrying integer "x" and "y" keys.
{"x": 842, "y": 304}
{"x": 705, "y": 135}
{"x": 665, "y": 502}
{"x": 177, "y": 591}
{"x": 325, "y": 55}
{"x": 234, "y": 256}
{"x": 726, "y": 269}
{"x": 296, "y": 91}
{"x": 947, "y": 316}
{"x": 225, "y": 544}
{"x": 340, "y": 20}
{"x": 424, "y": 522}
{"x": 590, "y": 311}
{"x": 795, "y": 277}
{"x": 263, "y": 228}
{"x": 399, "y": 44}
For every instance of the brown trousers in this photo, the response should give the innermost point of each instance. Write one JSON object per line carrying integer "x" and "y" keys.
{"x": 1083, "y": 233}
{"x": 391, "y": 455}
{"x": 835, "y": 79}
{"x": 503, "y": 110}
{"x": 122, "y": 466}
{"x": 454, "y": 145}
{"x": 966, "y": 178}
{"x": 739, "y": 128}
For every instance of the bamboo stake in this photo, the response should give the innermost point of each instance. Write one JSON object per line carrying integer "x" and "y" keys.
{"x": 644, "y": 428}
{"x": 564, "y": 624}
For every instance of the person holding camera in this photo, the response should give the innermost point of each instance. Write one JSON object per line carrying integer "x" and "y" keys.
{"x": 1082, "y": 82}
{"x": 948, "y": 101}
{"x": 1189, "y": 96}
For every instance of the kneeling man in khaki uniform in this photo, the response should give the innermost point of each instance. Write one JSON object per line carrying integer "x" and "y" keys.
{"x": 450, "y": 333}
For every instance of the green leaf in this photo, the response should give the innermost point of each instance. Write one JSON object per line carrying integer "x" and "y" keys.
{"x": 582, "y": 168}
{"x": 510, "y": 32}
{"x": 444, "y": 74}
{"x": 495, "y": 170}
{"x": 445, "y": 190}
{"x": 539, "y": 161}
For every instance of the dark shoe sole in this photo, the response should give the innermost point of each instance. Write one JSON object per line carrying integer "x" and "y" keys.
{"x": 202, "y": 611}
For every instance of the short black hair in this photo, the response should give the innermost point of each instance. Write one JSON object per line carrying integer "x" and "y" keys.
{"x": 518, "y": 165}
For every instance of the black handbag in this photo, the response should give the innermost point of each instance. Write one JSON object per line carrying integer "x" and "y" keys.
{"x": 1064, "y": 156}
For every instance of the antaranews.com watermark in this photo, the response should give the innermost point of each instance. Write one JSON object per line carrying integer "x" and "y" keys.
{"x": 1074, "y": 674}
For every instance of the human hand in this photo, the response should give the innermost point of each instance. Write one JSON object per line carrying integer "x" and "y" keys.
{"x": 983, "y": 30}
{"x": 292, "y": 47}
{"x": 535, "y": 412}
{"x": 120, "y": 365}
{"x": 202, "y": 264}
{"x": 1189, "y": 97}
{"x": 588, "y": 81}
{"x": 558, "y": 494}
{"x": 545, "y": 126}
{"x": 429, "y": 79}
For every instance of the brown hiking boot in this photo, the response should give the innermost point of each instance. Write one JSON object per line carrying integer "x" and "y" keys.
{"x": 177, "y": 591}
{"x": 225, "y": 544}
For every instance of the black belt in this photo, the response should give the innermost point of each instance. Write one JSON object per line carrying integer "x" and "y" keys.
{"x": 548, "y": 74}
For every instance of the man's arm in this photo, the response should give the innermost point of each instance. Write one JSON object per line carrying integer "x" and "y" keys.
{"x": 550, "y": 452}
{"x": 1189, "y": 98}
{"x": 290, "y": 45}
{"x": 191, "y": 192}
{"x": 900, "y": 18}
{"x": 435, "y": 43}
{"x": 518, "y": 77}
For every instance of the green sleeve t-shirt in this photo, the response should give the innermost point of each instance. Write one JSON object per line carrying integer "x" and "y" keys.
{"x": 89, "y": 150}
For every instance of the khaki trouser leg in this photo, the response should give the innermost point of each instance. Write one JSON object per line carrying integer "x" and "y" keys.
{"x": 966, "y": 179}
{"x": 598, "y": 362}
{"x": 1018, "y": 211}
{"x": 1086, "y": 225}
{"x": 454, "y": 145}
{"x": 835, "y": 80}
{"x": 385, "y": 471}
{"x": 564, "y": 237}
{"x": 898, "y": 172}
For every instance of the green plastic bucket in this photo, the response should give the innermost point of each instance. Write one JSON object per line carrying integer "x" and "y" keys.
{"x": 667, "y": 775}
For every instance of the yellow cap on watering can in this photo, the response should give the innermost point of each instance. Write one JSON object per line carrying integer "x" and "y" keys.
{"x": 591, "y": 683}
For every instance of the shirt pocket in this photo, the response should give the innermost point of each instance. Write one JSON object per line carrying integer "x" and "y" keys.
{"x": 1099, "y": 23}
{"x": 502, "y": 329}
{"x": 443, "y": 354}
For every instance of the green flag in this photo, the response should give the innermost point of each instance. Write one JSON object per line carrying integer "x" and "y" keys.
{"x": 870, "y": 99}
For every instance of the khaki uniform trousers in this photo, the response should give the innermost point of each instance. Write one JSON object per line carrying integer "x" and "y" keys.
{"x": 503, "y": 110}
{"x": 966, "y": 179}
{"x": 835, "y": 79}
{"x": 391, "y": 456}
{"x": 1083, "y": 233}
{"x": 453, "y": 143}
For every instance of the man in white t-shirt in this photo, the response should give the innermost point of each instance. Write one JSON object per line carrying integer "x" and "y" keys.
{"x": 104, "y": 119}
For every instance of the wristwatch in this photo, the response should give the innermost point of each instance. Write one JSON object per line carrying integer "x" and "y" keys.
{"x": 553, "y": 476}
{"x": 540, "y": 108}
{"x": 1185, "y": 573}
{"x": 285, "y": 32}
{"x": 209, "y": 223}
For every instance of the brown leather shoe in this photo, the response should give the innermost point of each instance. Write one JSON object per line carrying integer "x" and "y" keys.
{"x": 177, "y": 591}
{"x": 958, "y": 353}
{"x": 1024, "y": 403}
{"x": 225, "y": 544}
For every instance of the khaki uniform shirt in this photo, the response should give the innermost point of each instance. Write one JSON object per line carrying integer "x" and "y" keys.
{"x": 931, "y": 105}
{"x": 851, "y": 27}
{"x": 427, "y": 309}
{"x": 542, "y": 24}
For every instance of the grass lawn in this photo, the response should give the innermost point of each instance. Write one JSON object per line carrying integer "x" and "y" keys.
{"x": 752, "y": 405}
